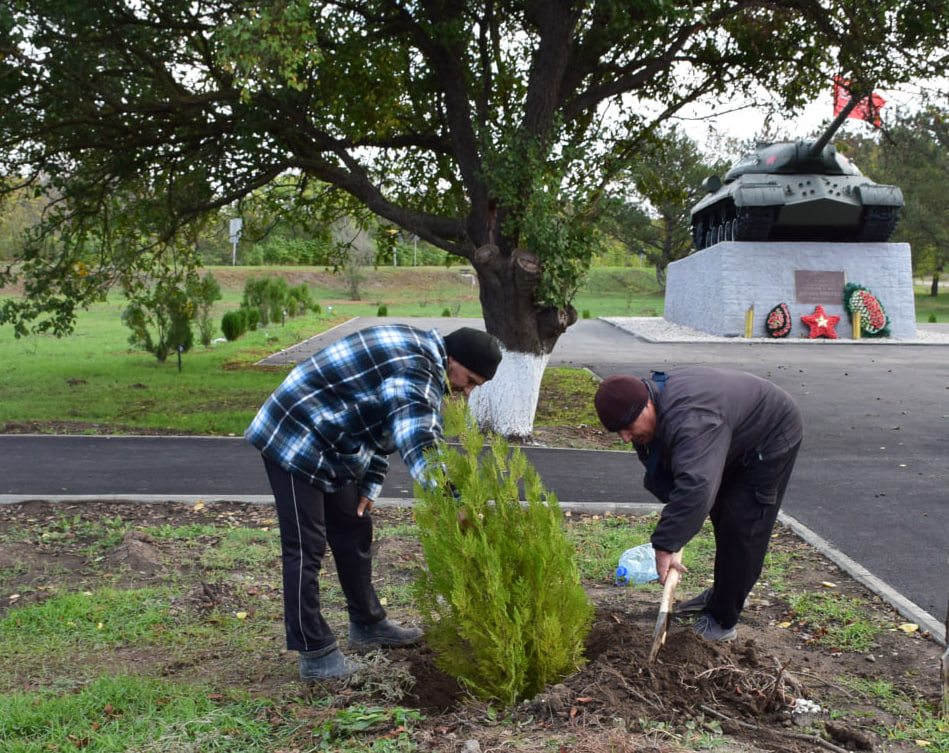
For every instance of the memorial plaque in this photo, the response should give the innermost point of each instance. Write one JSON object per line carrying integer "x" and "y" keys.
{"x": 818, "y": 286}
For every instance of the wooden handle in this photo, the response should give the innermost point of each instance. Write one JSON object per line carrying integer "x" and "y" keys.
{"x": 665, "y": 606}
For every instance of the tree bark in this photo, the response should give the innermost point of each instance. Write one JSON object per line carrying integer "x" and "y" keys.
{"x": 508, "y": 403}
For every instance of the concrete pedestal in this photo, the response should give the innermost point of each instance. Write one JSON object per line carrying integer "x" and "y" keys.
{"x": 712, "y": 289}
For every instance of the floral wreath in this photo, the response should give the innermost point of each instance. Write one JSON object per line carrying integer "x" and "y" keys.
{"x": 778, "y": 323}
{"x": 873, "y": 319}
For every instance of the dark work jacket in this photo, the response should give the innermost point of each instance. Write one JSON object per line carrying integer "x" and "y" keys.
{"x": 710, "y": 422}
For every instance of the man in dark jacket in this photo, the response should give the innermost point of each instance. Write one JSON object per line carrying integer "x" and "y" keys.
{"x": 325, "y": 435}
{"x": 716, "y": 443}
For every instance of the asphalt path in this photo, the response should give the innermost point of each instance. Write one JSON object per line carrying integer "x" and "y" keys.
{"x": 870, "y": 485}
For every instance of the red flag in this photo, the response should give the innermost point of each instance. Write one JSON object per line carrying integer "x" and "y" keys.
{"x": 868, "y": 109}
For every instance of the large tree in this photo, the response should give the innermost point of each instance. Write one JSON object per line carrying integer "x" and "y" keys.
{"x": 669, "y": 175}
{"x": 490, "y": 129}
{"x": 913, "y": 154}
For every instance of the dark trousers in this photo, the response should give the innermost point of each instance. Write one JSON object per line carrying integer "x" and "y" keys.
{"x": 309, "y": 519}
{"x": 743, "y": 518}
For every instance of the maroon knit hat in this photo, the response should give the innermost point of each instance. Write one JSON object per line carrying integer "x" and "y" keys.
{"x": 619, "y": 401}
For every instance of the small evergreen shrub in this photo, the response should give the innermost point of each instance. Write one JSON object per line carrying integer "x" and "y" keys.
{"x": 160, "y": 319}
{"x": 299, "y": 300}
{"x": 932, "y": 318}
{"x": 383, "y": 310}
{"x": 505, "y": 610}
{"x": 446, "y": 312}
{"x": 203, "y": 294}
{"x": 233, "y": 325}
{"x": 586, "y": 313}
{"x": 251, "y": 318}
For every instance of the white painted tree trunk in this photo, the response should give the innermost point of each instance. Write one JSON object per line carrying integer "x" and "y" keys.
{"x": 507, "y": 404}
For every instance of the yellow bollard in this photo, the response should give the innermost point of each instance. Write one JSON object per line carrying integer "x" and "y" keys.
{"x": 750, "y": 322}
{"x": 856, "y": 325}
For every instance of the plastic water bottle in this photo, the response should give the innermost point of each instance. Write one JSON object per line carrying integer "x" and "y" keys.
{"x": 637, "y": 565}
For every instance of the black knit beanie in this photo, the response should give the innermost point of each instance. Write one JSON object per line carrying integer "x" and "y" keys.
{"x": 619, "y": 401}
{"x": 475, "y": 350}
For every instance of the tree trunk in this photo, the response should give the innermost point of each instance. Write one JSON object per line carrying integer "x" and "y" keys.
{"x": 934, "y": 287}
{"x": 508, "y": 403}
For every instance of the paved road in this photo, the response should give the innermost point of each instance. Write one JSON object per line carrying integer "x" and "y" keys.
{"x": 870, "y": 483}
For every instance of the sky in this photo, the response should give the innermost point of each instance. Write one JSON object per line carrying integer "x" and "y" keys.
{"x": 747, "y": 123}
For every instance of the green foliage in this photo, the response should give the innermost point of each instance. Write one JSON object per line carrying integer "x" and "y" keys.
{"x": 273, "y": 299}
{"x": 553, "y": 112}
{"x": 204, "y": 294}
{"x": 446, "y": 312}
{"x": 915, "y": 157}
{"x": 299, "y": 300}
{"x": 383, "y": 310}
{"x": 506, "y": 610}
{"x": 269, "y": 46}
{"x": 234, "y": 324}
{"x": 360, "y": 719}
{"x": 160, "y": 319}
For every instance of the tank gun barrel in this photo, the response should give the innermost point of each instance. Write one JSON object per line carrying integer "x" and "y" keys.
{"x": 828, "y": 134}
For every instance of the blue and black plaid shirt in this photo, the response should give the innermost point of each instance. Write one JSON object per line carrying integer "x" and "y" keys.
{"x": 338, "y": 414}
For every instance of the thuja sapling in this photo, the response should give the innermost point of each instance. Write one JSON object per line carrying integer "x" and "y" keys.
{"x": 501, "y": 594}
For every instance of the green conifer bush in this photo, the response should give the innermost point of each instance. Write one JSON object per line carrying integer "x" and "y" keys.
{"x": 501, "y": 594}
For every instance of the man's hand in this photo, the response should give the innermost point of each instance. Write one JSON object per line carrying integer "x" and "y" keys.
{"x": 364, "y": 506}
{"x": 665, "y": 560}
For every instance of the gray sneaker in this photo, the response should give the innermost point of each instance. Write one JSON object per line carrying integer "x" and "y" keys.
{"x": 380, "y": 634}
{"x": 707, "y": 627}
{"x": 327, "y": 664}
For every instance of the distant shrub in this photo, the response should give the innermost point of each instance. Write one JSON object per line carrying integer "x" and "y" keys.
{"x": 383, "y": 310}
{"x": 234, "y": 324}
{"x": 251, "y": 316}
{"x": 586, "y": 313}
{"x": 932, "y": 318}
{"x": 446, "y": 312}
{"x": 299, "y": 300}
{"x": 203, "y": 294}
{"x": 160, "y": 319}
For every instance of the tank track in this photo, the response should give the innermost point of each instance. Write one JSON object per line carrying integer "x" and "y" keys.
{"x": 877, "y": 224}
{"x": 745, "y": 224}
{"x": 754, "y": 223}
{"x": 757, "y": 224}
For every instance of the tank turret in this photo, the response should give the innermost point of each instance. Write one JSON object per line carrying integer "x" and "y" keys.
{"x": 796, "y": 191}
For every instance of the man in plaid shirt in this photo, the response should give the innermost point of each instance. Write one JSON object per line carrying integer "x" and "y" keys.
{"x": 324, "y": 435}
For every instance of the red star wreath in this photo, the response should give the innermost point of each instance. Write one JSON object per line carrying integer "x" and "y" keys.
{"x": 821, "y": 323}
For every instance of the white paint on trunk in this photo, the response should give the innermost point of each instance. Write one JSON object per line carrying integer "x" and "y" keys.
{"x": 507, "y": 403}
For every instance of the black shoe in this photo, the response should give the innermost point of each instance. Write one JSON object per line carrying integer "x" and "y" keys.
{"x": 695, "y": 604}
{"x": 382, "y": 633}
{"x": 698, "y": 603}
{"x": 326, "y": 664}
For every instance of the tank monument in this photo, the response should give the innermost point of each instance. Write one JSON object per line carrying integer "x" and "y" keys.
{"x": 791, "y": 229}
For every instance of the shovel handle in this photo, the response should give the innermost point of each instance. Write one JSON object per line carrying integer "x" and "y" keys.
{"x": 665, "y": 606}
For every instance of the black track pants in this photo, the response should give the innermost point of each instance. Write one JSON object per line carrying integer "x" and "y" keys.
{"x": 309, "y": 519}
{"x": 743, "y": 518}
